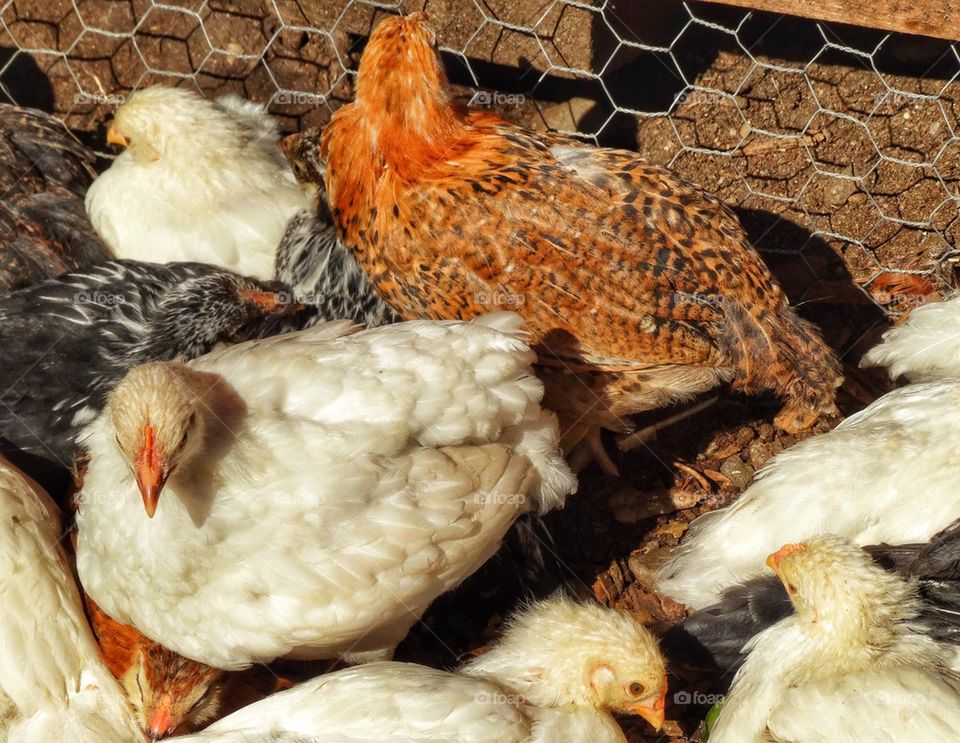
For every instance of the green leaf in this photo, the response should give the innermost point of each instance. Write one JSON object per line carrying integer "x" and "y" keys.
{"x": 711, "y": 719}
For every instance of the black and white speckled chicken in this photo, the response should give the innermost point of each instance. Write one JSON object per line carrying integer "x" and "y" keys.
{"x": 324, "y": 276}
{"x": 67, "y": 340}
{"x": 44, "y": 173}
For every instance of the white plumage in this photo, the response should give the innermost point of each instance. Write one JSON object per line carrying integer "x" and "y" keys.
{"x": 200, "y": 181}
{"x": 53, "y": 685}
{"x": 561, "y": 668}
{"x": 849, "y": 665}
{"x": 331, "y": 485}
{"x": 923, "y": 347}
{"x": 377, "y": 702}
{"x": 890, "y": 474}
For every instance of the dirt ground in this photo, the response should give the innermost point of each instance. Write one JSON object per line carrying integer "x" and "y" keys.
{"x": 846, "y": 182}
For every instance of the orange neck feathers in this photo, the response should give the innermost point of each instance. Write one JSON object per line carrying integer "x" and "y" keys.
{"x": 402, "y": 120}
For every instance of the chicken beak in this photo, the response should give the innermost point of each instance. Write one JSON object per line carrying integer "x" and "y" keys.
{"x": 150, "y": 472}
{"x": 115, "y": 137}
{"x": 656, "y": 714}
{"x": 774, "y": 561}
{"x": 160, "y": 723}
{"x": 271, "y": 302}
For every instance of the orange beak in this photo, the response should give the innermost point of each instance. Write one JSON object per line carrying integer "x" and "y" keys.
{"x": 655, "y": 715}
{"x": 150, "y": 472}
{"x": 271, "y": 302}
{"x": 774, "y": 560}
{"x": 115, "y": 137}
{"x": 160, "y": 723}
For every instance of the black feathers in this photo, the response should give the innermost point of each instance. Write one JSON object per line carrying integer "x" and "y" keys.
{"x": 44, "y": 172}
{"x": 325, "y": 276}
{"x": 67, "y": 341}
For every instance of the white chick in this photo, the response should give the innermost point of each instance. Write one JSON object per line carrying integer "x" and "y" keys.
{"x": 199, "y": 181}
{"x": 850, "y": 664}
{"x": 556, "y": 675}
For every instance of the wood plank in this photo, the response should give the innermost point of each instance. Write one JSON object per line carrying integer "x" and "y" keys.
{"x": 937, "y": 18}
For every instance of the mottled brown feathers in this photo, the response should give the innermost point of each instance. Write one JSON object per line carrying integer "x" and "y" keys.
{"x": 638, "y": 282}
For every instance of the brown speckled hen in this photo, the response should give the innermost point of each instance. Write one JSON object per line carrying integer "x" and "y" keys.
{"x": 168, "y": 693}
{"x": 639, "y": 288}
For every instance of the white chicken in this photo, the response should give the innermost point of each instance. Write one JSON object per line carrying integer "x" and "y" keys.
{"x": 53, "y": 685}
{"x": 889, "y": 474}
{"x": 850, "y": 664}
{"x": 199, "y": 181}
{"x": 321, "y": 488}
{"x": 555, "y": 676}
{"x": 925, "y": 346}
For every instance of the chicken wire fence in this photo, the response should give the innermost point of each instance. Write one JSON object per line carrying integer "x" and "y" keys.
{"x": 838, "y": 145}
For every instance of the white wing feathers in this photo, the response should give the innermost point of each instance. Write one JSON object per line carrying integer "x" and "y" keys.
{"x": 435, "y": 383}
{"x": 377, "y": 702}
{"x": 895, "y": 705}
{"x": 49, "y": 667}
{"x": 887, "y": 474}
{"x": 925, "y": 346}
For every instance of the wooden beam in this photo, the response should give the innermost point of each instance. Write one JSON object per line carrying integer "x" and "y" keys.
{"x": 937, "y": 18}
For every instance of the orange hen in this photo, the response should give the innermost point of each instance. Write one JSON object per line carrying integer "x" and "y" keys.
{"x": 639, "y": 288}
{"x": 168, "y": 693}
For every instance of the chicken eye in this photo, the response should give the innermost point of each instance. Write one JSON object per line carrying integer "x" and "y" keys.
{"x": 635, "y": 689}
{"x": 183, "y": 439}
{"x": 791, "y": 588}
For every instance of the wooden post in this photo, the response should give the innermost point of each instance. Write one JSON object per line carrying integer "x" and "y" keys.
{"x": 937, "y": 18}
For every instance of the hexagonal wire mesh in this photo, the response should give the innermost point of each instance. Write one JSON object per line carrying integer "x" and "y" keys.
{"x": 839, "y": 145}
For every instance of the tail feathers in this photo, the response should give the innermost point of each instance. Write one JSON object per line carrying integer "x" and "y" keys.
{"x": 508, "y": 323}
{"x": 798, "y": 366}
{"x": 537, "y": 435}
{"x": 538, "y": 439}
{"x": 936, "y": 568}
